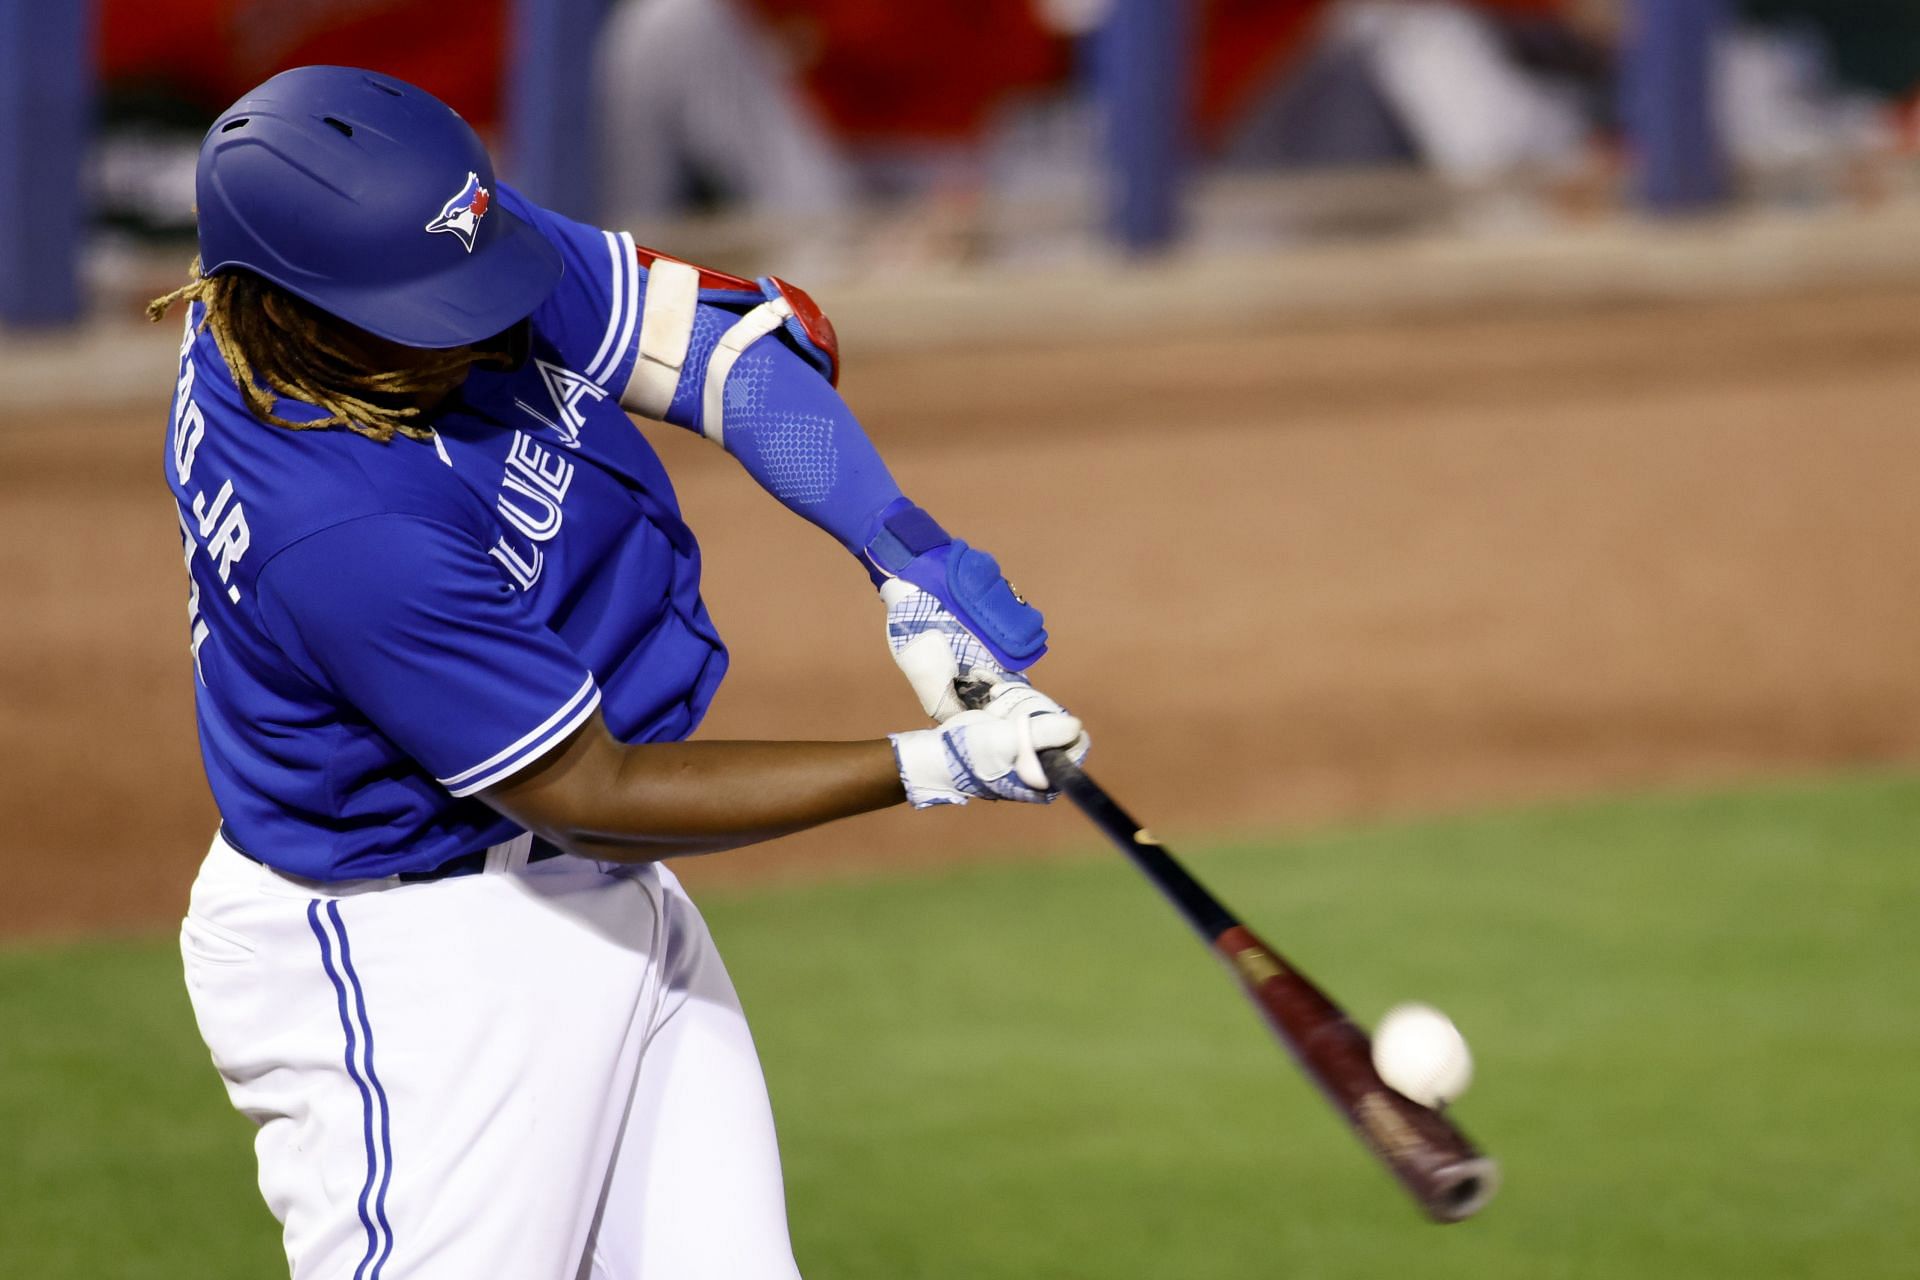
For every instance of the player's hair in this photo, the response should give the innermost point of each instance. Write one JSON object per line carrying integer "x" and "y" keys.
{"x": 279, "y": 346}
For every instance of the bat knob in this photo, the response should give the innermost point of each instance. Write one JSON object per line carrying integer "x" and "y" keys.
{"x": 1458, "y": 1191}
{"x": 972, "y": 693}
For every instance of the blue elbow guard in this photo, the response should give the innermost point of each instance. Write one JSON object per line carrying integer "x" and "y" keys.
{"x": 911, "y": 545}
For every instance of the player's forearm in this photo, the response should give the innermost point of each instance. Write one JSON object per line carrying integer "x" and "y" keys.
{"x": 603, "y": 799}
{"x": 702, "y": 797}
{"x": 801, "y": 443}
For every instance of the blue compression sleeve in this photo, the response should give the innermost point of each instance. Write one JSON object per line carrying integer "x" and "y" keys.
{"x": 794, "y": 434}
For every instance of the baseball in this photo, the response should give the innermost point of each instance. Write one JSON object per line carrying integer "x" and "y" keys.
{"x": 1419, "y": 1052}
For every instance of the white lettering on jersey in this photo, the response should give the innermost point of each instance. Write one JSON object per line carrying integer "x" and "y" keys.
{"x": 531, "y": 493}
{"x": 567, "y": 389}
{"x": 222, "y": 526}
{"x": 540, "y": 524}
{"x": 229, "y": 543}
{"x": 196, "y": 625}
{"x": 543, "y": 478}
{"x": 207, "y": 519}
{"x": 526, "y": 572}
{"x": 567, "y": 437}
{"x": 553, "y": 473}
{"x": 189, "y": 425}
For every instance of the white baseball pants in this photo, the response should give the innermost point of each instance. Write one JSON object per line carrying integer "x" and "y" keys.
{"x": 534, "y": 1073}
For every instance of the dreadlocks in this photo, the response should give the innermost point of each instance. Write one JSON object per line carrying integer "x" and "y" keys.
{"x": 279, "y": 346}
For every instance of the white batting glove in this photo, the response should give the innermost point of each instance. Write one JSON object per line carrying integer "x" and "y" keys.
{"x": 989, "y": 754}
{"x": 934, "y": 648}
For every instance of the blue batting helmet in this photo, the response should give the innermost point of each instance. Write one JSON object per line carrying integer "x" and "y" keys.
{"x": 372, "y": 200}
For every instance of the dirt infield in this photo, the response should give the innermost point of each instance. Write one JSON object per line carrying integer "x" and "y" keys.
{"x": 1294, "y": 575}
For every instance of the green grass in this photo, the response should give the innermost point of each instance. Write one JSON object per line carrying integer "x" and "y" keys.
{"x": 1697, "y": 1024}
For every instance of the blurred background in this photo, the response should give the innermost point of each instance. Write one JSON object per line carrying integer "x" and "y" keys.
{"x": 1462, "y": 448}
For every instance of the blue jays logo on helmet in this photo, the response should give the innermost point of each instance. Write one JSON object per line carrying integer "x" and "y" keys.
{"x": 462, "y": 214}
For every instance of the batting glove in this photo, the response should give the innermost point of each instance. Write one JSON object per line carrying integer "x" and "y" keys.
{"x": 950, "y": 611}
{"x": 989, "y": 754}
{"x": 933, "y": 648}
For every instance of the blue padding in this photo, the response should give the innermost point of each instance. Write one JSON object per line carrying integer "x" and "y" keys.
{"x": 1010, "y": 627}
{"x": 917, "y": 531}
{"x": 905, "y": 533}
{"x": 888, "y": 555}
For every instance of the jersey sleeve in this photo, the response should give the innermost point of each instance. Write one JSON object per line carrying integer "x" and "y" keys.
{"x": 407, "y": 622}
{"x": 593, "y": 314}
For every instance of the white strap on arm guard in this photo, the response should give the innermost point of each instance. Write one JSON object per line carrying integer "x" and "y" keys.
{"x": 668, "y": 315}
{"x": 746, "y": 331}
{"x": 666, "y": 327}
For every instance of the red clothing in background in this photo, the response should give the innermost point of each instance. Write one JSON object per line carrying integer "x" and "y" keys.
{"x": 934, "y": 70}
{"x": 1245, "y": 45}
{"x": 924, "y": 70}
{"x": 887, "y": 70}
{"x": 215, "y": 50}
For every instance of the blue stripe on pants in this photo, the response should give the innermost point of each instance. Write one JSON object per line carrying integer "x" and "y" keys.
{"x": 367, "y": 1095}
{"x": 373, "y": 1078}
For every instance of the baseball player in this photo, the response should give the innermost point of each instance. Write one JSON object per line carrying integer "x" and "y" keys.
{"x": 448, "y": 643}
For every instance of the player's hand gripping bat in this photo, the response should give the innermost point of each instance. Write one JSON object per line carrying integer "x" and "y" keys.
{"x": 1443, "y": 1171}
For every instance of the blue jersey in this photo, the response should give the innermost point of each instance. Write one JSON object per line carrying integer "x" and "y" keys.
{"x": 381, "y": 631}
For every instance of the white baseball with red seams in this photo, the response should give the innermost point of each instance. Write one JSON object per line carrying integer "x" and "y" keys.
{"x": 1419, "y": 1052}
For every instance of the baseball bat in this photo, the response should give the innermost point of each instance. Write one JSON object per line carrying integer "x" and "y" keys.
{"x": 1440, "y": 1168}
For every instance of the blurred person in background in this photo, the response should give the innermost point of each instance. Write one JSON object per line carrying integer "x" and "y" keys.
{"x": 1485, "y": 91}
{"x": 913, "y": 90}
{"x": 940, "y": 107}
{"x": 1808, "y": 86}
{"x": 1474, "y": 92}
{"x": 700, "y": 107}
{"x": 799, "y": 107}
{"x": 814, "y": 109}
